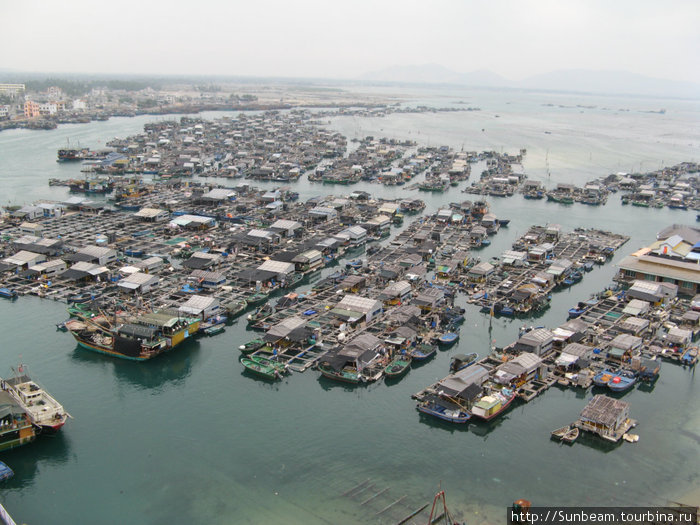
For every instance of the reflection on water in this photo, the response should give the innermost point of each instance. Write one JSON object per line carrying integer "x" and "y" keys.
{"x": 437, "y": 423}
{"x": 26, "y": 461}
{"x": 330, "y": 384}
{"x": 172, "y": 367}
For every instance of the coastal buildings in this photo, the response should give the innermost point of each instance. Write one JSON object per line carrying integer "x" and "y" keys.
{"x": 674, "y": 258}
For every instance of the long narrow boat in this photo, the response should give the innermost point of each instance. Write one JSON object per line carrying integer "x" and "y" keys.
{"x": 235, "y": 307}
{"x": 423, "y": 352}
{"x": 251, "y": 346}
{"x": 5, "y": 472}
{"x": 144, "y": 338}
{"x": 43, "y": 410}
{"x": 257, "y": 298}
{"x": 442, "y": 410}
{"x": 214, "y": 329}
{"x": 690, "y": 356}
{"x": 560, "y": 432}
{"x": 398, "y": 366}
{"x": 622, "y": 381}
{"x": 280, "y": 367}
{"x": 460, "y": 361}
{"x": 7, "y": 293}
{"x": 448, "y": 338}
{"x": 265, "y": 371}
{"x": 571, "y": 435}
{"x": 603, "y": 378}
{"x": 346, "y": 374}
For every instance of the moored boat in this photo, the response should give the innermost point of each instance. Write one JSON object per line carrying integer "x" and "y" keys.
{"x": 251, "y": 346}
{"x": 214, "y": 329}
{"x": 5, "y": 472}
{"x": 266, "y": 361}
{"x": 355, "y": 264}
{"x": 43, "y": 410}
{"x": 690, "y": 356}
{"x": 259, "y": 369}
{"x": 141, "y": 339}
{"x": 8, "y": 294}
{"x": 398, "y": 366}
{"x": 235, "y": 307}
{"x": 622, "y": 381}
{"x": 346, "y": 374}
{"x": 15, "y": 427}
{"x": 602, "y": 378}
{"x": 571, "y": 435}
{"x": 559, "y": 433}
{"x": 443, "y": 410}
{"x": 460, "y": 361}
{"x": 448, "y": 338}
{"x": 423, "y": 352}
{"x": 493, "y": 404}
{"x": 257, "y": 298}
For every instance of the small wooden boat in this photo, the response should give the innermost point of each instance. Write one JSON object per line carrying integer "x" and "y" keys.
{"x": 423, "y": 352}
{"x": 80, "y": 298}
{"x": 460, "y": 361}
{"x": 690, "y": 356}
{"x": 355, "y": 264}
{"x": 280, "y": 367}
{"x": 602, "y": 378}
{"x": 7, "y": 293}
{"x": 293, "y": 280}
{"x": 251, "y": 346}
{"x": 257, "y": 298}
{"x": 442, "y": 411}
{"x": 505, "y": 310}
{"x": 622, "y": 381}
{"x": 560, "y": 432}
{"x": 260, "y": 313}
{"x": 571, "y": 435}
{"x": 265, "y": 371}
{"x": 236, "y": 307}
{"x": 448, "y": 338}
{"x": 214, "y": 329}
{"x": 398, "y": 366}
{"x": 346, "y": 374}
{"x": 5, "y": 472}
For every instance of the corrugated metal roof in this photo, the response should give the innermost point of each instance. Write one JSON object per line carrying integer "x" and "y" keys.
{"x": 647, "y": 264}
{"x": 277, "y": 267}
{"x": 356, "y": 303}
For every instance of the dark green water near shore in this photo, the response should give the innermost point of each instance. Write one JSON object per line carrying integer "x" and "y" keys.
{"x": 189, "y": 437}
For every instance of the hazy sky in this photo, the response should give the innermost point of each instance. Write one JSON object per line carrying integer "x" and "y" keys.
{"x": 658, "y": 38}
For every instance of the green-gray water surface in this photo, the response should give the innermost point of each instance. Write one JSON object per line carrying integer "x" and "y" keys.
{"x": 190, "y": 438}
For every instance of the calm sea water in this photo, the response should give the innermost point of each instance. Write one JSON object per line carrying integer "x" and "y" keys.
{"x": 189, "y": 438}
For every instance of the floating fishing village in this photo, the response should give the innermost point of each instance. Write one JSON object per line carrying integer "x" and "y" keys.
{"x": 153, "y": 250}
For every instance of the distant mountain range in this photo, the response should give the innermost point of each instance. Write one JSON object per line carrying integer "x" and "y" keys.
{"x": 578, "y": 80}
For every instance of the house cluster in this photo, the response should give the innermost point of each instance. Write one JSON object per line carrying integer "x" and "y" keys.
{"x": 616, "y": 341}
{"x": 541, "y": 261}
